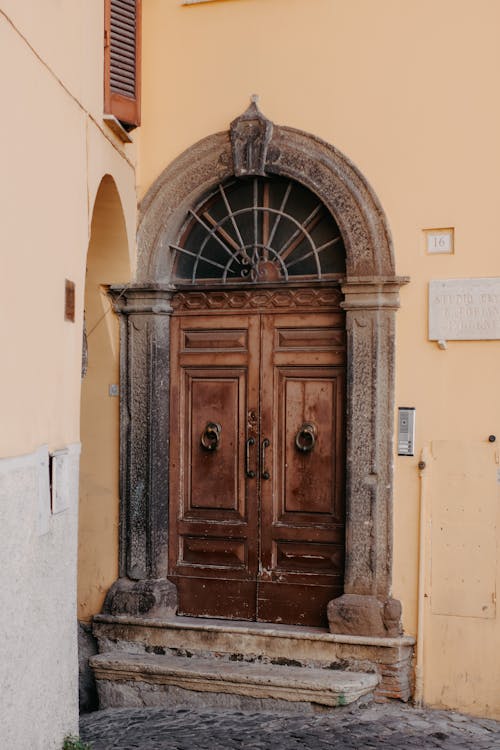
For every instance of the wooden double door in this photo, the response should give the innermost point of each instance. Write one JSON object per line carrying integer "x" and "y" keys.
{"x": 257, "y": 464}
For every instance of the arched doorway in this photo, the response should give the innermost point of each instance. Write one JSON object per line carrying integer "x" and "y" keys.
{"x": 255, "y": 148}
{"x": 258, "y": 365}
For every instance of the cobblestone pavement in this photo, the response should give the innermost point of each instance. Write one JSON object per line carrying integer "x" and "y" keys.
{"x": 374, "y": 727}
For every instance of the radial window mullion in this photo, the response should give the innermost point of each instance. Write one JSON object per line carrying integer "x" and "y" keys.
{"x": 252, "y": 230}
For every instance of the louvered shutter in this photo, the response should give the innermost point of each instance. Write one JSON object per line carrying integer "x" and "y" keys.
{"x": 122, "y": 60}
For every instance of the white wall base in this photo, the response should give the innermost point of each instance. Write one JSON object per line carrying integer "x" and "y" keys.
{"x": 38, "y": 635}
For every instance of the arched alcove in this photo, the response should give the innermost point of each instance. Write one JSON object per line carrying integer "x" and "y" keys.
{"x": 107, "y": 261}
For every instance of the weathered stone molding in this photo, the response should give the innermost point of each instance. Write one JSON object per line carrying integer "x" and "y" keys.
{"x": 371, "y": 300}
{"x": 291, "y": 153}
{"x": 144, "y": 443}
{"x": 370, "y": 319}
{"x": 366, "y": 606}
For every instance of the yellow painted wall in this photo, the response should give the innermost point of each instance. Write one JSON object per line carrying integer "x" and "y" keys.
{"x": 55, "y": 154}
{"x": 407, "y": 91}
{"x": 41, "y": 409}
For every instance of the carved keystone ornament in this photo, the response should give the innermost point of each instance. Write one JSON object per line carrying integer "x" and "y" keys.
{"x": 251, "y": 134}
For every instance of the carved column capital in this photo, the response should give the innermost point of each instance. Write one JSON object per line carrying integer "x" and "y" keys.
{"x": 374, "y": 293}
{"x": 133, "y": 299}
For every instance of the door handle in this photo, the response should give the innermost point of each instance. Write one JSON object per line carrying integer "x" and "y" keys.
{"x": 265, "y": 444}
{"x": 248, "y": 471}
{"x": 210, "y": 437}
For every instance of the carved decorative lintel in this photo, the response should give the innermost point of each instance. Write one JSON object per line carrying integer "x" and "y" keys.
{"x": 258, "y": 299}
{"x": 251, "y": 134}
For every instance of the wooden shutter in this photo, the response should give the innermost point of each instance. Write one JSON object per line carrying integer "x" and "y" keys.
{"x": 122, "y": 55}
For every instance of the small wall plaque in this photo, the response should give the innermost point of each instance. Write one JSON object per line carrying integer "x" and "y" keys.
{"x": 69, "y": 301}
{"x": 440, "y": 241}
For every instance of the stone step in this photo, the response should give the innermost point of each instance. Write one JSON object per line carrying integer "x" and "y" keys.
{"x": 146, "y": 679}
{"x": 263, "y": 643}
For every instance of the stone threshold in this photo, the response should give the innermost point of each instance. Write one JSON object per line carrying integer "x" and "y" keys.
{"x": 264, "y": 644}
{"x": 244, "y": 627}
{"x": 264, "y": 682}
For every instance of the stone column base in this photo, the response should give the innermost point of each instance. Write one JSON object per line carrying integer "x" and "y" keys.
{"x": 145, "y": 598}
{"x": 356, "y": 614}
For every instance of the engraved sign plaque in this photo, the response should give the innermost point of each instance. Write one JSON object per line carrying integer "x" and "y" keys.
{"x": 464, "y": 309}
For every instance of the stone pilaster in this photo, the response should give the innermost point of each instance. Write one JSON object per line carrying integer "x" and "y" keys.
{"x": 144, "y": 439}
{"x": 366, "y": 607}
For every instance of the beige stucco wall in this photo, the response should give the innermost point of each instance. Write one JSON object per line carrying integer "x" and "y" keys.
{"x": 55, "y": 151}
{"x": 405, "y": 91}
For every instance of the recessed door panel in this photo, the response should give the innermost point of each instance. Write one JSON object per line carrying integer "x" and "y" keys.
{"x": 210, "y": 340}
{"x": 214, "y": 552}
{"x": 306, "y": 410}
{"x": 309, "y": 339}
{"x": 214, "y": 418}
{"x": 309, "y": 557}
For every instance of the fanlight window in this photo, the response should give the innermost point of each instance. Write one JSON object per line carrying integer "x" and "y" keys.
{"x": 259, "y": 230}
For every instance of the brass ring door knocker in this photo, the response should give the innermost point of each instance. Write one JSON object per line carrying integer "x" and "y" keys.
{"x": 305, "y": 439}
{"x": 210, "y": 437}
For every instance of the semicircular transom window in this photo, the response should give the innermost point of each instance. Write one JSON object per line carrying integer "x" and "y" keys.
{"x": 259, "y": 229}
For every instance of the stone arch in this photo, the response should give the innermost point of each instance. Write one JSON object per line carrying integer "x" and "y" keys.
{"x": 291, "y": 153}
{"x": 253, "y": 146}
